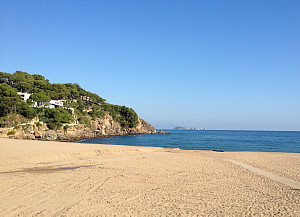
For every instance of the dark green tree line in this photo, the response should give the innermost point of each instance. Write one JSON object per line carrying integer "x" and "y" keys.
{"x": 42, "y": 90}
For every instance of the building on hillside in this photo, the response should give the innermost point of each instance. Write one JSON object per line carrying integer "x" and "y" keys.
{"x": 50, "y": 104}
{"x": 57, "y": 103}
{"x": 24, "y": 96}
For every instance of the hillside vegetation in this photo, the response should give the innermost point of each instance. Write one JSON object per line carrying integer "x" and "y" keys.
{"x": 79, "y": 105}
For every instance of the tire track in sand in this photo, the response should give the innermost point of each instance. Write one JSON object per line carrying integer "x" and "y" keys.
{"x": 289, "y": 182}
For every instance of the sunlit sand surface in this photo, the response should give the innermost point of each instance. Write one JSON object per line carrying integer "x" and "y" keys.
{"x": 75, "y": 179}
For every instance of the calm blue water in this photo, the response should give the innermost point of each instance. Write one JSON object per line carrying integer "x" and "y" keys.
{"x": 225, "y": 140}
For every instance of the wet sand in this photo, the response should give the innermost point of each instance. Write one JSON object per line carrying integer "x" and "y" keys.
{"x": 74, "y": 179}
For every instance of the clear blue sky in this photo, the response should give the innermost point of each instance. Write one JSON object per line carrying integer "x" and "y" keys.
{"x": 219, "y": 64}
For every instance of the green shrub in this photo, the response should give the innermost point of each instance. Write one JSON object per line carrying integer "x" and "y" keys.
{"x": 12, "y": 132}
{"x": 38, "y": 124}
{"x": 85, "y": 121}
{"x": 122, "y": 114}
{"x": 54, "y": 126}
{"x": 57, "y": 115}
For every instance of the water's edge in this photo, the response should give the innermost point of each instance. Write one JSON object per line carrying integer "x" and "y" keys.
{"x": 221, "y": 140}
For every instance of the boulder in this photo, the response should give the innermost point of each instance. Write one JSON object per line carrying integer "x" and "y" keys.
{"x": 38, "y": 134}
{"x": 49, "y": 136}
{"x": 29, "y": 129}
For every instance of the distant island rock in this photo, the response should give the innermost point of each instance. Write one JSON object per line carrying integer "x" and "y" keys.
{"x": 188, "y": 128}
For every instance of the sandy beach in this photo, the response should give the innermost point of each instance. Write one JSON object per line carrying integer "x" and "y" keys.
{"x": 40, "y": 178}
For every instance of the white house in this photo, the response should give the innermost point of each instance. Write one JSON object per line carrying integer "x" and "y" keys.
{"x": 24, "y": 96}
{"x": 57, "y": 103}
{"x": 50, "y": 104}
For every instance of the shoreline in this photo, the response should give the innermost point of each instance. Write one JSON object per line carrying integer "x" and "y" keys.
{"x": 72, "y": 179}
{"x": 110, "y": 136}
{"x": 66, "y": 138}
{"x": 214, "y": 150}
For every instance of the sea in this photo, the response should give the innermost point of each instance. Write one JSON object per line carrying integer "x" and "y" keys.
{"x": 217, "y": 140}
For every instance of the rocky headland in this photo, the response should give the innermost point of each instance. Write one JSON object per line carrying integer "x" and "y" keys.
{"x": 33, "y": 108}
{"x": 98, "y": 128}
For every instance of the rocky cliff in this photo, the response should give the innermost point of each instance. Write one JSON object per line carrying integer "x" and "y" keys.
{"x": 97, "y": 128}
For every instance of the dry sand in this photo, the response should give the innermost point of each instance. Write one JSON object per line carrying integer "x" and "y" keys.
{"x": 71, "y": 179}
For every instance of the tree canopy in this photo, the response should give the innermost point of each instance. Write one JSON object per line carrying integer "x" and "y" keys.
{"x": 72, "y": 95}
{"x": 9, "y": 99}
